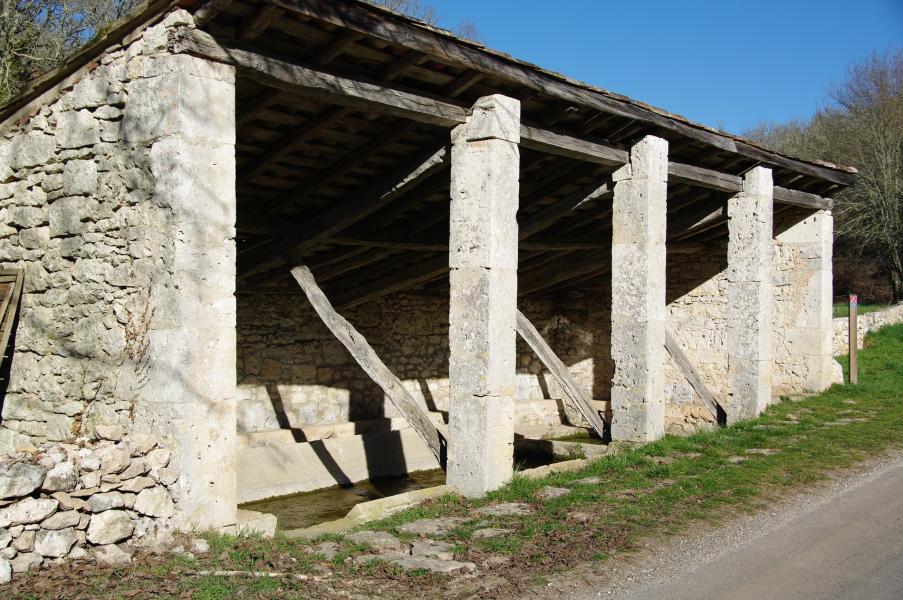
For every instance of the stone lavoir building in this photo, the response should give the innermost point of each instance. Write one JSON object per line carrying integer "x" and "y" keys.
{"x": 200, "y": 198}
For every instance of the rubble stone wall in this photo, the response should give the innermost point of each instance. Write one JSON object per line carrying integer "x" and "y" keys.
{"x": 697, "y": 315}
{"x": 117, "y": 199}
{"x": 87, "y": 500}
{"x": 865, "y": 323}
{"x": 287, "y": 357}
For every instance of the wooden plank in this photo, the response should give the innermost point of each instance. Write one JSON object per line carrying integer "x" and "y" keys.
{"x": 8, "y": 316}
{"x": 406, "y": 61}
{"x": 209, "y": 10}
{"x": 804, "y": 199}
{"x": 706, "y": 178}
{"x": 370, "y": 362}
{"x": 335, "y": 48}
{"x": 296, "y": 78}
{"x": 293, "y": 140}
{"x": 355, "y": 93}
{"x": 571, "y": 147}
{"x": 395, "y": 30}
{"x": 262, "y": 19}
{"x": 345, "y": 214}
{"x": 559, "y": 372}
{"x": 690, "y": 373}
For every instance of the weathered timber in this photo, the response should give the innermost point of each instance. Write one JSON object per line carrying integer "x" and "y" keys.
{"x": 395, "y": 30}
{"x": 420, "y": 273}
{"x": 551, "y": 214}
{"x": 804, "y": 199}
{"x": 297, "y": 78}
{"x": 559, "y": 372}
{"x": 571, "y": 147}
{"x": 10, "y": 306}
{"x": 335, "y": 48}
{"x": 672, "y": 345}
{"x": 370, "y": 362}
{"x": 354, "y": 93}
{"x": 348, "y": 213}
{"x": 706, "y": 178}
{"x": 397, "y": 68}
{"x": 292, "y": 140}
{"x": 262, "y": 19}
{"x": 209, "y": 10}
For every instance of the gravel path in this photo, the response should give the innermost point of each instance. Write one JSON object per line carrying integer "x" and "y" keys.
{"x": 842, "y": 540}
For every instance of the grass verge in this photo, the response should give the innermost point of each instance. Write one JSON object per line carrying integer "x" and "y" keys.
{"x": 648, "y": 491}
{"x": 842, "y": 309}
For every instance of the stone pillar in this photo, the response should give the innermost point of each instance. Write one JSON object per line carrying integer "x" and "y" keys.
{"x": 184, "y": 108}
{"x": 638, "y": 293}
{"x": 749, "y": 296}
{"x": 483, "y": 242}
{"x": 808, "y": 336}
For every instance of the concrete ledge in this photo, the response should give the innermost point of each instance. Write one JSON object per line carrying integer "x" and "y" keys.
{"x": 252, "y": 522}
{"x": 374, "y": 510}
{"x": 282, "y": 469}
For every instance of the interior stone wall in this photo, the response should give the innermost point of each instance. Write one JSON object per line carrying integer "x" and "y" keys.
{"x": 292, "y": 371}
{"x": 697, "y": 315}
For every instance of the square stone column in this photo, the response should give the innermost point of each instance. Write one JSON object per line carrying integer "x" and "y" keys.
{"x": 184, "y": 109}
{"x": 638, "y": 293}
{"x": 808, "y": 331}
{"x": 749, "y": 296}
{"x": 485, "y": 170}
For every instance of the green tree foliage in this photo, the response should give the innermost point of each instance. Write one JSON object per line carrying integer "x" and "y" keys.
{"x": 38, "y": 35}
{"x": 863, "y": 128}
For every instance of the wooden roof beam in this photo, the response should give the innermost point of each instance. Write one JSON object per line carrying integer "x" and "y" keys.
{"x": 294, "y": 243}
{"x": 392, "y": 29}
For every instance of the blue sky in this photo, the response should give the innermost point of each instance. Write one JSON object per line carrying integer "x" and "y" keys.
{"x": 728, "y": 64}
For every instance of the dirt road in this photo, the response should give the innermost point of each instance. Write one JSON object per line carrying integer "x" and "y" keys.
{"x": 843, "y": 542}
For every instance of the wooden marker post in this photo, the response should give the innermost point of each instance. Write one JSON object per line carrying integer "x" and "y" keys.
{"x": 854, "y": 340}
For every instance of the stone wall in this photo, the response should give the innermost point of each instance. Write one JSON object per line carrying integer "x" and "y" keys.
{"x": 91, "y": 499}
{"x": 288, "y": 358}
{"x": 697, "y": 314}
{"x": 117, "y": 199}
{"x": 865, "y": 323}
{"x": 803, "y": 297}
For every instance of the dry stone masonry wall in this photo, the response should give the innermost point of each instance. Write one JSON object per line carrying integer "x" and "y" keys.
{"x": 117, "y": 199}
{"x": 97, "y": 500}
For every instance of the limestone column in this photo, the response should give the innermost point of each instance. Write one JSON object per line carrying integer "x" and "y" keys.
{"x": 184, "y": 110}
{"x": 809, "y": 334}
{"x": 749, "y": 296}
{"x": 638, "y": 293}
{"x": 485, "y": 168}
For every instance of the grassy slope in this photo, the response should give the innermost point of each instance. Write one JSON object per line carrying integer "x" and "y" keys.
{"x": 648, "y": 491}
{"x": 842, "y": 309}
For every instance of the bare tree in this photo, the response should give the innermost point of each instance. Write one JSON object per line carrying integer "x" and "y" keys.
{"x": 38, "y": 35}
{"x": 413, "y": 8}
{"x": 430, "y": 14}
{"x": 863, "y": 128}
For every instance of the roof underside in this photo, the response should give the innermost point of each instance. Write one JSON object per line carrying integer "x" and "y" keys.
{"x": 302, "y": 155}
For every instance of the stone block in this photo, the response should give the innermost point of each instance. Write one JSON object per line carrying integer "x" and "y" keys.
{"x": 31, "y": 149}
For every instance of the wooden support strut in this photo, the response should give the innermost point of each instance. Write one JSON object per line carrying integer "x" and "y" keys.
{"x": 690, "y": 373}
{"x": 559, "y": 372}
{"x": 370, "y": 362}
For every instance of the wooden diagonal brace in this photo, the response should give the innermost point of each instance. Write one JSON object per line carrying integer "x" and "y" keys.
{"x": 692, "y": 376}
{"x": 367, "y": 358}
{"x": 559, "y": 372}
